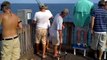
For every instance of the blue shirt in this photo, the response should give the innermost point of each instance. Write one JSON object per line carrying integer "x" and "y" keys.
{"x": 100, "y": 23}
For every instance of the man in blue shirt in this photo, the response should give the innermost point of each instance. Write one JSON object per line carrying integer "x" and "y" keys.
{"x": 99, "y": 28}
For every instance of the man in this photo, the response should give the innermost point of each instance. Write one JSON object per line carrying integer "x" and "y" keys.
{"x": 99, "y": 29}
{"x": 82, "y": 11}
{"x": 56, "y": 30}
{"x": 10, "y": 49}
{"x": 41, "y": 19}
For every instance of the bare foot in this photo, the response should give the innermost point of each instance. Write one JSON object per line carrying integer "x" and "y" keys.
{"x": 44, "y": 56}
{"x": 55, "y": 55}
{"x": 48, "y": 48}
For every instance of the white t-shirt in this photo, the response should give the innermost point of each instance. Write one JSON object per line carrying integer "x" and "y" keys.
{"x": 50, "y": 14}
{"x": 56, "y": 25}
{"x": 42, "y": 19}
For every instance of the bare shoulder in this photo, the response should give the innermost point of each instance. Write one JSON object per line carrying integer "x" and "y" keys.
{"x": 14, "y": 15}
{"x": 1, "y": 16}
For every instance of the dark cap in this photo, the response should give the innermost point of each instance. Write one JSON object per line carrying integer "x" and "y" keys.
{"x": 101, "y": 3}
{"x": 5, "y": 4}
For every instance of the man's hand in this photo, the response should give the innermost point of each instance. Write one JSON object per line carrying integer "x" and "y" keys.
{"x": 92, "y": 31}
{"x": 63, "y": 26}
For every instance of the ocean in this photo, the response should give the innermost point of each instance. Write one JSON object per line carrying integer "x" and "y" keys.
{"x": 54, "y": 8}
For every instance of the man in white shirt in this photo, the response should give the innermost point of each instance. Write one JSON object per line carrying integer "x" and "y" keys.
{"x": 56, "y": 30}
{"x": 42, "y": 23}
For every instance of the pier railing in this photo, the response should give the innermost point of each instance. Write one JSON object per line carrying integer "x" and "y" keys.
{"x": 26, "y": 43}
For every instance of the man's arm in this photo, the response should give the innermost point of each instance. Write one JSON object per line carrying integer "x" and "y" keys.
{"x": 59, "y": 28}
{"x": 92, "y": 23}
{"x": 35, "y": 19}
{"x": 60, "y": 35}
{"x": 19, "y": 24}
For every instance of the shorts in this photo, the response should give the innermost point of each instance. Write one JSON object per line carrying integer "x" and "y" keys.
{"x": 10, "y": 49}
{"x": 99, "y": 41}
{"x": 55, "y": 40}
{"x": 54, "y": 37}
{"x": 41, "y": 35}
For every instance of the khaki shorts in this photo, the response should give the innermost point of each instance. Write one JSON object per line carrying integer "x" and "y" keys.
{"x": 41, "y": 35}
{"x": 99, "y": 41}
{"x": 10, "y": 49}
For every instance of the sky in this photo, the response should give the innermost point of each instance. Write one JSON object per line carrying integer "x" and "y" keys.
{"x": 45, "y": 1}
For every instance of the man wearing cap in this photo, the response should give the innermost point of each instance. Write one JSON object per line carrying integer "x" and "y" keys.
{"x": 56, "y": 30}
{"x": 41, "y": 19}
{"x": 10, "y": 49}
{"x": 99, "y": 29}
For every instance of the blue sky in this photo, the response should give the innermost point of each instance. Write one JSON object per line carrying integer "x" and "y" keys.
{"x": 45, "y": 1}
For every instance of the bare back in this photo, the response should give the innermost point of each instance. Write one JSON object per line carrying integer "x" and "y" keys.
{"x": 9, "y": 25}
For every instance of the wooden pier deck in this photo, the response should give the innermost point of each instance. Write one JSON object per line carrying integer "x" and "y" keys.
{"x": 68, "y": 55}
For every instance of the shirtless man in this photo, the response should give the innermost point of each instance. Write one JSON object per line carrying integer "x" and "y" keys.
{"x": 10, "y": 49}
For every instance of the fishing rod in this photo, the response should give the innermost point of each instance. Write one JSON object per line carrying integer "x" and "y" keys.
{"x": 38, "y": 2}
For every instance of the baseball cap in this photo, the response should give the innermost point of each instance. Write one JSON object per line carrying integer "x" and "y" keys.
{"x": 5, "y": 4}
{"x": 65, "y": 11}
{"x": 42, "y": 5}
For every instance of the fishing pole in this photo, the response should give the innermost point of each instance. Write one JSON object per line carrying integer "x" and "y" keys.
{"x": 38, "y": 2}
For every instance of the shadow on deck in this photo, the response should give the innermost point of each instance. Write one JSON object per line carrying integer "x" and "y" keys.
{"x": 66, "y": 54}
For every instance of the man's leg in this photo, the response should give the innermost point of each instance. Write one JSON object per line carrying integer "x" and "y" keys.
{"x": 47, "y": 44}
{"x": 37, "y": 36}
{"x": 60, "y": 48}
{"x": 55, "y": 50}
{"x": 100, "y": 54}
{"x": 44, "y": 37}
{"x": 44, "y": 51}
{"x": 44, "y": 47}
{"x": 6, "y": 50}
{"x": 37, "y": 48}
{"x": 94, "y": 45}
{"x": 16, "y": 49}
{"x": 102, "y": 45}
